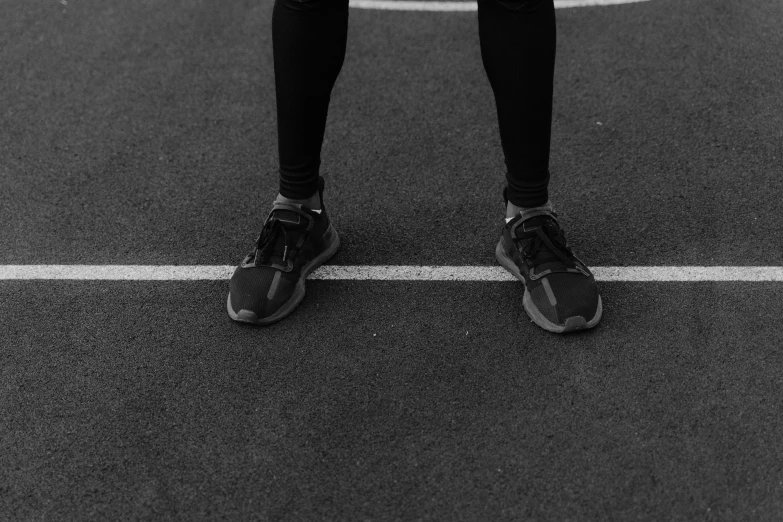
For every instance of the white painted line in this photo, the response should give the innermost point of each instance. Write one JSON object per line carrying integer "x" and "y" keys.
{"x": 688, "y": 273}
{"x": 413, "y": 273}
{"x": 385, "y": 273}
{"x": 413, "y": 6}
{"x": 406, "y": 5}
{"x": 116, "y": 272}
{"x": 564, "y": 4}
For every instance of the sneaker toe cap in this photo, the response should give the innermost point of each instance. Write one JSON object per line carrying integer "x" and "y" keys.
{"x": 259, "y": 292}
{"x": 567, "y": 300}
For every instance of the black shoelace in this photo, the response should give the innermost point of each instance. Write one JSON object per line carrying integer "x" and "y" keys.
{"x": 268, "y": 240}
{"x": 550, "y": 235}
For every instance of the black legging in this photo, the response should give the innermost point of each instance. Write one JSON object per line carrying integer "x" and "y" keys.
{"x": 518, "y": 52}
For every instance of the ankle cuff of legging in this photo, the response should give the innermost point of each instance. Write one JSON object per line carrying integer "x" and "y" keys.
{"x": 528, "y": 199}
{"x": 301, "y": 188}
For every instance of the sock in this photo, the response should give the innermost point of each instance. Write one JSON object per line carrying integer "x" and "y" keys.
{"x": 318, "y": 211}
{"x": 527, "y": 211}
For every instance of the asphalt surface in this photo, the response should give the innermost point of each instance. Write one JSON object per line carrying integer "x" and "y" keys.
{"x": 144, "y": 133}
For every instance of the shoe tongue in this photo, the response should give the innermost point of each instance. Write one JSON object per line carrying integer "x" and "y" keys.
{"x": 545, "y": 258}
{"x": 529, "y": 213}
{"x": 528, "y": 223}
{"x": 286, "y": 216}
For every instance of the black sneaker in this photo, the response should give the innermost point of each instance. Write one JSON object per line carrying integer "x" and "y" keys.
{"x": 561, "y": 294}
{"x": 270, "y": 282}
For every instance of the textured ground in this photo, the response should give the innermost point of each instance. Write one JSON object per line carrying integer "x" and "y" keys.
{"x": 144, "y": 132}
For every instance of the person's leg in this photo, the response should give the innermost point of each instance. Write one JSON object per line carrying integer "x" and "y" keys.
{"x": 518, "y": 52}
{"x": 309, "y": 40}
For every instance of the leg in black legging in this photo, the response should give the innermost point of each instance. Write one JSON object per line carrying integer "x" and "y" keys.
{"x": 518, "y": 51}
{"x": 308, "y": 40}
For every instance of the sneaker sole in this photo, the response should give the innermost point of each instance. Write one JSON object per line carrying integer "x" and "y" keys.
{"x": 572, "y": 324}
{"x": 248, "y": 316}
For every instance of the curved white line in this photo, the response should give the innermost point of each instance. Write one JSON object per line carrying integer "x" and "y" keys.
{"x": 408, "y": 5}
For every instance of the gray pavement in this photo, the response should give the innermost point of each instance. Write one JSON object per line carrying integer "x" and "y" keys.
{"x": 389, "y": 401}
{"x": 144, "y": 132}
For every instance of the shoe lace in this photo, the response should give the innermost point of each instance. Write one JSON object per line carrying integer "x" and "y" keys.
{"x": 268, "y": 242}
{"x": 548, "y": 234}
